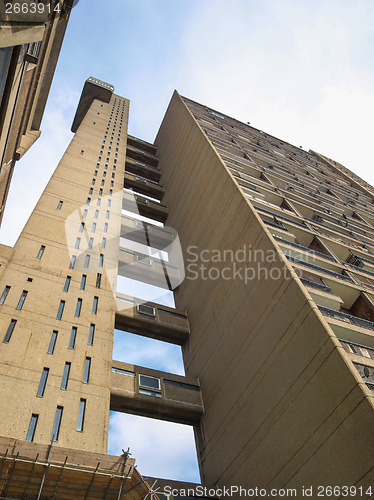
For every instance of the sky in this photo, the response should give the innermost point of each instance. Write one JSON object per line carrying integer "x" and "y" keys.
{"x": 298, "y": 69}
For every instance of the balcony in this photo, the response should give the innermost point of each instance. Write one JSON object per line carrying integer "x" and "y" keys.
{"x": 148, "y": 269}
{"x": 317, "y": 286}
{"x": 319, "y": 269}
{"x": 145, "y": 207}
{"x": 367, "y": 374}
{"x": 152, "y": 393}
{"x": 305, "y": 249}
{"x": 357, "y": 349}
{"x": 147, "y": 234}
{"x": 151, "y": 320}
{"x": 138, "y": 154}
{"x": 139, "y": 144}
{"x": 140, "y": 168}
{"x": 144, "y": 186}
{"x": 353, "y": 320}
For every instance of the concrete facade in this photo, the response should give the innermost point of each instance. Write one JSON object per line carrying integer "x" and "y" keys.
{"x": 275, "y": 314}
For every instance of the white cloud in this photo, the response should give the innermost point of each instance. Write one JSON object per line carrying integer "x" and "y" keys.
{"x": 161, "y": 449}
{"x": 147, "y": 352}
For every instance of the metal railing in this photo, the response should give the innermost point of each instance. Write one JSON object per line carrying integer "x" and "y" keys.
{"x": 305, "y": 249}
{"x": 317, "y": 286}
{"x": 354, "y": 320}
{"x": 321, "y": 269}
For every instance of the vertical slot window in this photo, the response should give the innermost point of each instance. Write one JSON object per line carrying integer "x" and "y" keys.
{"x": 87, "y": 260}
{"x": 91, "y": 334}
{"x": 95, "y": 305}
{"x": 41, "y": 252}
{"x": 78, "y": 308}
{"x": 83, "y": 281}
{"x": 73, "y": 337}
{"x": 59, "y": 205}
{"x": 103, "y": 243}
{"x": 106, "y": 227}
{"x": 57, "y": 423}
{"x": 65, "y": 376}
{"x": 81, "y": 227}
{"x": 43, "y": 382}
{"x": 72, "y": 261}
{"x": 60, "y": 311}
{"x": 98, "y": 280}
{"x": 10, "y": 330}
{"x": 21, "y": 300}
{"x": 67, "y": 283}
{"x": 101, "y": 260}
{"x": 85, "y": 212}
{"x": 52, "y": 342}
{"x": 81, "y": 413}
{"x": 93, "y": 227}
{"x": 4, "y": 295}
{"x": 87, "y": 369}
{"x": 77, "y": 243}
{"x": 90, "y": 243}
{"x": 32, "y": 427}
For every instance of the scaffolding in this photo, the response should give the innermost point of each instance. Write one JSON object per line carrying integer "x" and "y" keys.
{"x": 38, "y": 479}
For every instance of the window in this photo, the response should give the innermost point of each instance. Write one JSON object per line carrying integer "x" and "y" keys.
{"x": 98, "y": 280}
{"x": 72, "y": 261}
{"x": 88, "y": 201}
{"x": 95, "y": 304}
{"x": 113, "y": 175}
{"x": 73, "y": 337}
{"x": 102, "y": 182}
{"x": 29, "y": 280}
{"x": 91, "y": 334}
{"x": 103, "y": 243}
{"x": 104, "y": 174}
{"x": 145, "y": 261}
{"x": 106, "y": 227}
{"x": 110, "y": 192}
{"x": 43, "y": 382}
{"x": 60, "y": 309}
{"x": 93, "y": 227}
{"x": 144, "y": 309}
{"x": 41, "y": 251}
{"x": 4, "y": 295}
{"x": 150, "y": 382}
{"x": 112, "y": 183}
{"x": 109, "y": 203}
{"x": 65, "y": 376}
{"x": 82, "y": 151}
{"x": 59, "y": 205}
{"x": 95, "y": 173}
{"x": 57, "y": 423}
{"x": 10, "y": 330}
{"x": 101, "y": 260}
{"x": 78, "y": 308}
{"x": 90, "y": 243}
{"x": 21, "y": 300}
{"x": 32, "y": 426}
{"x": 67, "y": 283}
{"x": 96, "y": 214}
{"x": 90, "y": 191}
{"x": 87, "y": 260}
{"x": 52, "y": 342}
{"x": 85, "y": 211}
{"x": 81, "y": 412}
{"x": 100, "y": 191}
{"x": 87, "y": 368}
{"x": 107, "y": 214}
{"x": 81, "y": 227}
{"x": 77, "y": 243}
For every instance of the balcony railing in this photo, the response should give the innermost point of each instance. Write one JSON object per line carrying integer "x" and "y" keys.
{"x": 332, "y": 313}
{"x": 320, "y": 269}
{"x": 317, "y": 286}
{"x": 273, "y": 224}
{"x": 305, "y": 249}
